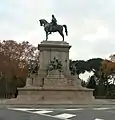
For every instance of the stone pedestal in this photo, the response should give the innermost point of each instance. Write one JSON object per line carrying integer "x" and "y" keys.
{"x": 49, "y": 50}
{"x": 56, "y": 79}
{"x": 28, "y": 82}
{"x": 54, "y": 86}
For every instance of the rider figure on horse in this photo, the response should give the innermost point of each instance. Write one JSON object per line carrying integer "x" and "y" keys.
{"x": 53, "y": 22}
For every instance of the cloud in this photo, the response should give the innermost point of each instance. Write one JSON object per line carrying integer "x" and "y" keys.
{"x": 91, "y": 25}
{"x": 18, "y": 18}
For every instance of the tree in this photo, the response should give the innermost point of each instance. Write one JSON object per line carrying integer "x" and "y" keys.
{"x": 94, "y": 65}
{"x": 90, "y": 65}
{"x": 83, "y": 83}
{"x": 107, "y": 71}
{"x": 14, "y": 61}
{"x": 78, "y": 66}
{"x": 91, "y": 82}
{"x": 15, "y": 57}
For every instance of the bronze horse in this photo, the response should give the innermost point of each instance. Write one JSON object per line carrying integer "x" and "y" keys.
{"x": 55, "y": 28}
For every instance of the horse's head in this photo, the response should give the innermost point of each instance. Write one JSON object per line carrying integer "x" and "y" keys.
{"x": 43, "y": 22}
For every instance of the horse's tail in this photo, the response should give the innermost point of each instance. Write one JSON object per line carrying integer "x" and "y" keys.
{"x": 65, "y": 26}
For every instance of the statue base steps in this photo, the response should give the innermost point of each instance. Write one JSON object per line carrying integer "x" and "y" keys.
{"x": 55, "y": 95}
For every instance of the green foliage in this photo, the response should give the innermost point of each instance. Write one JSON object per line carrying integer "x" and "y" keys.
{"x": 90, "y": 65}
{"x": 91, "y": 83}
{"x": 80, "y": 66}
{"x": 83, "y": 83}
{"x": 111, "y": 91}
{"x": 93, "y": 64}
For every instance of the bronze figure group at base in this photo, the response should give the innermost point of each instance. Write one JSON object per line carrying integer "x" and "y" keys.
{"x": 53, "y": 27}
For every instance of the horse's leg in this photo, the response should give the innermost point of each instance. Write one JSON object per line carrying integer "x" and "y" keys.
{"x": 61, "y": 33}
{"x": 46, "y": 35}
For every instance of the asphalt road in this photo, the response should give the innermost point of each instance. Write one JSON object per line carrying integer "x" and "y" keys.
{"x": 78, "y": 113}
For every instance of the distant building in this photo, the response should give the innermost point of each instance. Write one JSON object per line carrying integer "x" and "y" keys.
{"x": 112, "y": 58}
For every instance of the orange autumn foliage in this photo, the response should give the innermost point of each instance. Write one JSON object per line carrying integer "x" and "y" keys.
{"x": 107, "y": 67}
{"x": 14, "y": 57}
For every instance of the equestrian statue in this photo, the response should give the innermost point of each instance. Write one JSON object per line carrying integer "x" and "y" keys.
{"x": 53, "y": 27}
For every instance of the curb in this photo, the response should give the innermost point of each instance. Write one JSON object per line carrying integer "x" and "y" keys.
{"x": 6, "y": 103}
{"x": 52, "y": 106}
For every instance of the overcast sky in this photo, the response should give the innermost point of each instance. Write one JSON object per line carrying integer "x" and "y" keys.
{"x": 91, "y": 24}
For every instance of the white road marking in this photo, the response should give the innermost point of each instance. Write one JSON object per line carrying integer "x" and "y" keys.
{"x": 98, "y": 119}
{"x": 42, "y": 112}
{"x": 101, "y": 108}
{"x": 64, "y": 116}
{"x": 61, "y": 109}
{"x": 26, "y": 109}
{"x": 22, "y": 109}
{"x": 73, "y": 109}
